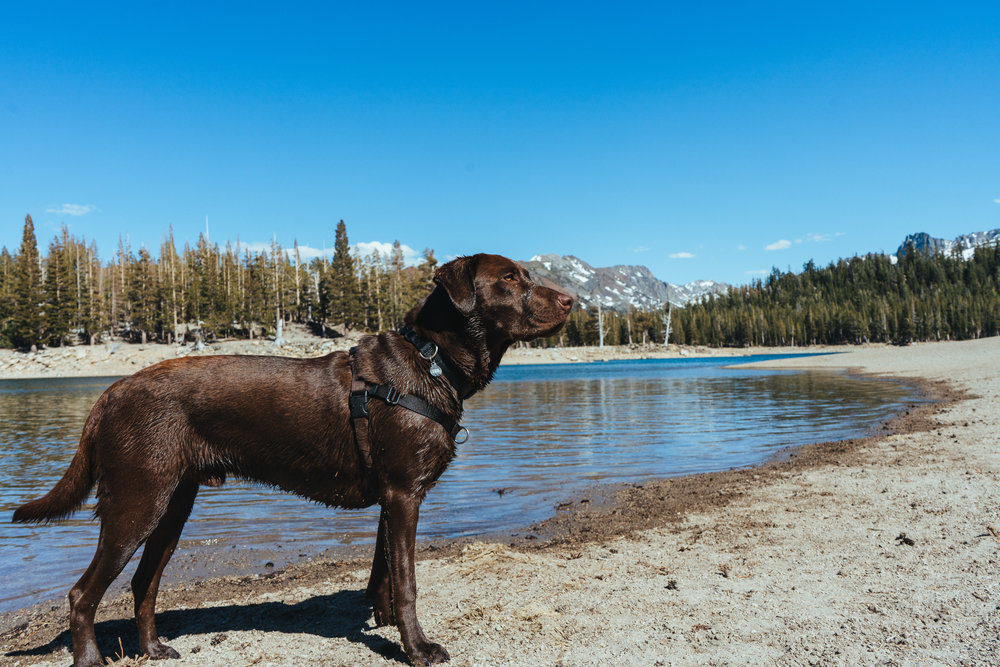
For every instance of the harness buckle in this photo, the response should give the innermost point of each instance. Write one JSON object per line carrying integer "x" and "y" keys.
{"x": 393, "y": 395}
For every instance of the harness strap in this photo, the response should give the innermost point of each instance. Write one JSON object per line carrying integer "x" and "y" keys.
{"x": 358, "y": 402}
{"x": 361, "y": 391}
{"x": 393, "y": 396}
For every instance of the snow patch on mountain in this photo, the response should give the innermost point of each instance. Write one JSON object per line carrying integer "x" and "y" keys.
{"x": 965, "y": 244}
{"x": 616, "y": 287}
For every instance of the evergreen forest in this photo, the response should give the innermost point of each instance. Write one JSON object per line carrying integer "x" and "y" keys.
{"x": 202, "y": 292}
{"x": 920, "y": 297}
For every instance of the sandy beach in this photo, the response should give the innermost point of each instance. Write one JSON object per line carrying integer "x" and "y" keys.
{"x": 880, "y": 550}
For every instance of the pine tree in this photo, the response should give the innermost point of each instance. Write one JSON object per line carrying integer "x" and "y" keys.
{"x": 373, "y": 291}
{"x": 232, "y": 283}
{"x": 396, "y": 263}
{"x": 170, "y": 280}
{"x": 301, "y": 280}
{"x": 7, "y": 270}
{"x": 144, "y": 295}
{"x": 27, "y": 325}
{"x": 60, "y": 289}
{"x": 422, "y": 282}
{"x": 277, "y": 283}
{"x": 257, "y": 288}
{"x": 94, "y": 316}
{"x": 342, "y": 293}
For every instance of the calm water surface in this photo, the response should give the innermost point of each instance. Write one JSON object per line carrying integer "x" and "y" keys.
{"x": 541, "y": 433}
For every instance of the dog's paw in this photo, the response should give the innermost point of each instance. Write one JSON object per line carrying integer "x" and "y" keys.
{"x": 88, "y": 656}
{"x": 161, "y": 651}
{"x": 428, "y": 653}
{"x": 89, "y": 663}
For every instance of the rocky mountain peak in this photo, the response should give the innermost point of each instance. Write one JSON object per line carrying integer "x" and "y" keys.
{"x": 616, "y": 287}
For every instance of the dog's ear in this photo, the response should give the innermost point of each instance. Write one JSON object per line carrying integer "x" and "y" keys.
{"x": 456, "y": 277}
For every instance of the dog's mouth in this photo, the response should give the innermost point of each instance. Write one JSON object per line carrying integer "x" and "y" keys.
{"x": 547, "y": 327}
{"x": 551, "y": 331}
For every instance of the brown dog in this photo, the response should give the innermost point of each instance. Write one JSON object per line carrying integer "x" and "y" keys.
{"x": 154, "y": 437}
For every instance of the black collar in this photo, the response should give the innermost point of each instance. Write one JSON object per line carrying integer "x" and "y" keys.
{"x": 440, "y": 365}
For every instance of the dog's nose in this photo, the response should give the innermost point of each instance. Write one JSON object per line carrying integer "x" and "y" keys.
{"x": 565, "y": 300}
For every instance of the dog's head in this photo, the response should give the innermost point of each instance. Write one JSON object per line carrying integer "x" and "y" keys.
{"x": 502, "y": 296}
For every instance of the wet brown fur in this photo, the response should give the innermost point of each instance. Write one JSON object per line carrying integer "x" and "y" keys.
{"x": 153, "y": 438}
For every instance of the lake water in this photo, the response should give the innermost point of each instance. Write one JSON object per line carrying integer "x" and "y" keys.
{"x": 540, "y": 433}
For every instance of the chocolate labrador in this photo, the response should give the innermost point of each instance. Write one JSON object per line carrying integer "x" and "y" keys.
{"x": 377, "y": 425}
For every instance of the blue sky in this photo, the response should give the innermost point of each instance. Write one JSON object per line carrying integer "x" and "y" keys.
{"x": 711, "y": 141}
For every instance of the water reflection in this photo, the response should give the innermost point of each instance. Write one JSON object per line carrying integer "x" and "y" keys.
{"x": 539, "y": 433}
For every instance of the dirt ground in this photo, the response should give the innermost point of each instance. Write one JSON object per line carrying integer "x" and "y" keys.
{"x": 880, "y": 550}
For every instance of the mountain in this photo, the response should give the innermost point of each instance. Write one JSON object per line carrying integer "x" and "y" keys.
{"x": 966, "y": 244}
{"x": 616, "y": 287}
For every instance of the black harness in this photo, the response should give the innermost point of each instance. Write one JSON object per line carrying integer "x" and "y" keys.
{"x": 362, "y": 391}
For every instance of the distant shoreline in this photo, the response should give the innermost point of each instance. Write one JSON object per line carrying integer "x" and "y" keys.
{"x": 120, "y": 359}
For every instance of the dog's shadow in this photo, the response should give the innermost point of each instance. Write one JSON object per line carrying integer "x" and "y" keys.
{"x": 341, "y": 615}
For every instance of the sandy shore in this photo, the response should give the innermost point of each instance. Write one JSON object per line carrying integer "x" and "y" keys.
{"x": 882, "y": 550}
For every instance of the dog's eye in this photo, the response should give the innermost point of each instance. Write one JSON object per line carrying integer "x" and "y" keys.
{"x": 510, "y": 277}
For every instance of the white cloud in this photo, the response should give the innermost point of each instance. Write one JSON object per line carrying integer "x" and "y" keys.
{"x": 741, "y": 247}
{"x": 255, "y": 248}
{"x": 811, "y": 237}
{"x": 822, "y": 238}
{"x": 681, "y": 255}
{"x": 640, "y": 248}
{"x": 996, "y": 201}
{"x": 758, "y": 272}
{"x": 308, "y": 252}
{"x": 410, "y": 256}
{"x": 71, "y": 209}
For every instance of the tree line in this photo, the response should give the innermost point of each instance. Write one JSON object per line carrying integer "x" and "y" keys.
{"x": 204, "y": 291}
{"x": 632, "y": 327}
{"x": 208, "y": 291}
{"x": 920, "y": 297}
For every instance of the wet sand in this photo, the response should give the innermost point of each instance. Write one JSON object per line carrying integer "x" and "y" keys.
{"x": 871, "y": 551}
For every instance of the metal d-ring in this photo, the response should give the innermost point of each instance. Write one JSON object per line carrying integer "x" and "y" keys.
{"x": 463, "y": 440}
{"x": 433, "y": 354}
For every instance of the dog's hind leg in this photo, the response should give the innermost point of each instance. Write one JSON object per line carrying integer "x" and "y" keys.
{"x": 379, "y": 591}
{"x": 155, "y": 555}
{"x": 121, "y": 534}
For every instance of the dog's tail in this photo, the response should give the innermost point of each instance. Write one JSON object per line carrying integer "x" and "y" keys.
{"x": 70, "y": 491}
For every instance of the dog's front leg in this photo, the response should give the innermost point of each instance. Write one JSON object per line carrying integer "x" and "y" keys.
{"x": 401, "y": 511}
